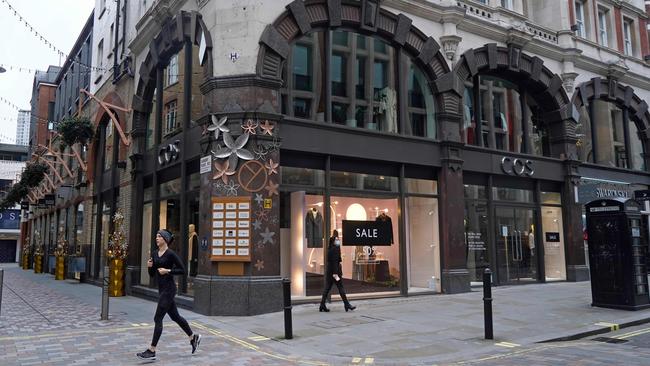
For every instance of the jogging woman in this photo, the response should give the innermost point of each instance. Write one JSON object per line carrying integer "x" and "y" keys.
{"x": 164, "y": 264}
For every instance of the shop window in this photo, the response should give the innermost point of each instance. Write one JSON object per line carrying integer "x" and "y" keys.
{"x": 512, "y": 194}
{"x": 363, "y": 84}
{"x": 170, "y": 188}
{"x": 553, "y": 239}
{"x": 422, "y": 186}
{"x": 505, "y": 116}
{"x": 364, "y": 181}
{"x": 422, "y": 237}
{"x": 475, "y": 191}
{"x": 553, "y": 198}
{"x": 476, "y": 239}
{"x": 302, "y": 176}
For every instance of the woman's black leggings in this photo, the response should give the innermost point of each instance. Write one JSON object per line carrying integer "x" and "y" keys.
{"x": 167, "y": 305}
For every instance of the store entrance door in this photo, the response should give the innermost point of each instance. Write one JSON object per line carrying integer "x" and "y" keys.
{"x": 515, "y": 245}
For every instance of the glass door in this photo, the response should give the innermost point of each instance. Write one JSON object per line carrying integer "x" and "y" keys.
{"x": 515, "y": 245}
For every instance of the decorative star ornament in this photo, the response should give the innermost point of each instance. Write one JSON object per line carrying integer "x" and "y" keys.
{"x": 250, "y": 127}
{"x": 272, "y": 188}
{"x": 218, "y": 125}
{"x": 272, "y": 167}
{"x": 259, "y": 265}
{"x": 230, "y": 188}
{"x": 267, "y": 236}
{"x": 257, "y": 225}
{"x": 221, "y": 171}
{"x": 260, "y": 152}
{"x": 267, "y": 128}
{"x": 234, "y": 150}
{"x": 259, "y": 198}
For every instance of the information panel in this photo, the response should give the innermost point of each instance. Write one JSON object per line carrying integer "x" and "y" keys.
{"x": 231, "y": 229}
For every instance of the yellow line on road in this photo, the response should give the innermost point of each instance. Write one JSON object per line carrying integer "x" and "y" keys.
{"x": 253, "y": 347}
{"x": 522, "y": 351}
{"x": 632, "y": 334}
{"x": 369, "y": 360}
{"x": 356, "y": 359}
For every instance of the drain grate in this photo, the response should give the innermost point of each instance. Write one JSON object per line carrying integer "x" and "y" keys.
{"x": 609, "y": 340}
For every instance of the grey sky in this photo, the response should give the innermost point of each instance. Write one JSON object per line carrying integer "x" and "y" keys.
{"x": 59, "y": 21}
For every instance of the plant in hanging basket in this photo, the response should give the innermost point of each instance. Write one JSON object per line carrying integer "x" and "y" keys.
{"x": 16, "y": 193}
{"x": 75, "y": 129}
{"x": 33, "y": 174}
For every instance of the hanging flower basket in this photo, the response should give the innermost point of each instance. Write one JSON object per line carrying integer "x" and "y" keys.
{"x": 33, "y": 174}
{"x": 75, "y": 130}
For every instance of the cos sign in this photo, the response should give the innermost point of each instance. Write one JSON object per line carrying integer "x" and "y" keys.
{"x": 169, "y": 153}
{"x": 518, "y": 167}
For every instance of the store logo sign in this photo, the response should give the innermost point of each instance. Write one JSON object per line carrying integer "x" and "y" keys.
{"x": 169, "y": 153}
{"x": 518, "y": 167}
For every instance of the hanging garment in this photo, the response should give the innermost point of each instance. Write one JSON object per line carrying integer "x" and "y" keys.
{"x": 314, "y": 229}
{"x": 386, "y": 218}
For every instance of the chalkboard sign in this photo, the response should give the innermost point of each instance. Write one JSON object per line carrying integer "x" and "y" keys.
{"x": 552, "y": 237}
{"x": 367, "y": 232}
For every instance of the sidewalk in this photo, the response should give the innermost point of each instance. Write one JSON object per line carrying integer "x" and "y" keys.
{"x": 423, "y": 329}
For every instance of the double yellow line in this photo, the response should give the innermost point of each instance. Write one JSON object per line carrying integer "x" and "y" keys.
{"x": 632, "y": 334}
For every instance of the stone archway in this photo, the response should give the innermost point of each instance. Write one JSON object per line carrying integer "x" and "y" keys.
{"x": 545, "y": 87}
{"x": 624, "y": 97}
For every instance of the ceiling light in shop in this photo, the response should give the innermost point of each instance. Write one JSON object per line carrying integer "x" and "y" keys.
{"x": 356, "y": 212}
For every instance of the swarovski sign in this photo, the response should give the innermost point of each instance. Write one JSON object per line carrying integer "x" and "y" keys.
{"x": 169, "y": 153}
{"x": 517, "y": 166}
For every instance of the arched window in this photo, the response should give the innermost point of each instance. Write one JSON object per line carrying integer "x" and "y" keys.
{"x": 366, "y": 82}
{"x": 509, "y": 117}
{"x": 608, "y": 136}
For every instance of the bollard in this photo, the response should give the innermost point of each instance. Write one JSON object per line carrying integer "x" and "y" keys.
{"x": 2, "y": 276}
{"x": 487, "y": 303}
{"x": 105, "y": 294}
{"x": 288, "y": 326}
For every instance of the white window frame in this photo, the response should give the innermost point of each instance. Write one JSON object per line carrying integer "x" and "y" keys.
{"x": 508, "y": 4}
{"x": 603, "y": 37}
{"x": 100, "y": 53}
{"x": 172, "y": 71}
{"x": 580, "y": 18}
{"x": 171, "y": 122}
{"x": 628, "y": 40}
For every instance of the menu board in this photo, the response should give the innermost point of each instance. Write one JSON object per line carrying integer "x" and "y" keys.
{"x": 231, "y": 229}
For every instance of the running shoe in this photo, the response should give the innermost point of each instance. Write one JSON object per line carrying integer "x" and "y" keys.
{"x": 196, "y": 340}
{"x": 147, "y": 355}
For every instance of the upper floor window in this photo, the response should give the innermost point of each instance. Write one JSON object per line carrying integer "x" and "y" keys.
{"x": 508, "y": 4}
{"x": 627, "y": 36}
{"x": 363, "y": 86}
{"x": 603, "y": 20}
{"x": 171, "y": 72}
{"x": 509, "y": 118}
{"x": 580, "y": 18}
{"x": 610, "y": 137}
{"x": 171, "y": 124}
{"x": 100, "y": 53}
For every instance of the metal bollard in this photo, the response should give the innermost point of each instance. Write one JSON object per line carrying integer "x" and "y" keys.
{"x": 2, "y": 276}
{"x": 288, "y": 326}
{"x": 105, "y": 294}
{"x": 487, "y": 303}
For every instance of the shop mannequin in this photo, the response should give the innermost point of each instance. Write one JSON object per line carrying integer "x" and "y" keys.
{"x": 383, "y": 217}
{"x": 314, "y": 228}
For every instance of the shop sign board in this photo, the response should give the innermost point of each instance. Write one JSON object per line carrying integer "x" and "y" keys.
{"x": 50, "y": 200}
{"x": 596, "y": 191}
{"x": 552, "y": 237}
{"x": 642, "y": 195}
{"x": 475, "y": 241}
{"x": 206, "y": 164}
{"x": 517, "y": 166}
{"x": 367, "y": 232}
{"x": 231, "y": 229}
{"x": 10, "y": 219}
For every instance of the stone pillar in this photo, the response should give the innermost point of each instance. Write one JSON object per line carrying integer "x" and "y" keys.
{"x": 242, "y": 288}
{"x": 577, "y": 269}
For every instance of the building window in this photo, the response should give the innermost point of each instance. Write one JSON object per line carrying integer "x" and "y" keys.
{"x": 171, "y": 123}
{"x": 627, "y": 36}
{"x": 111, "y": 41}
{"x": 363, "y": 85}
{"x": 508, "y": 4}
{"x": 580, "y": 19}
{"x": 602, "y": 27}
{"x": 100, "y": 53}
{"x": 172, "y": 71}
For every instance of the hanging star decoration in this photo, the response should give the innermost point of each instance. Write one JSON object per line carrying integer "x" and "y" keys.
{"x": 250, "y": 127}
{"x": 267, "y": 128}
{"x": 218, "y": 125}
{"x": 272, "y": 188}
{"x": 221, "y": 171}
{"x": 259, "y": 265}
{"x": 272, "y": 167}
{"x": 230, "y": 188}
{"x": 259, "y": 198}
{"x": 234, "y": 150}
{"x": 267, "y": 236}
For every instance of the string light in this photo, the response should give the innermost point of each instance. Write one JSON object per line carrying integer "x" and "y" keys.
{"x": 9, "y": 103}
{"x": 45, "y": 41}
{"x": 34, "y": 71}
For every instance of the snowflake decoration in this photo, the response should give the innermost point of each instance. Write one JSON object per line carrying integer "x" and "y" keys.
{"x": 250, "y": 127}
{"x": 218, "y": 125}
{"x": 259, "y": 265}
{"x": 259, "y": 198}
{"x": 234, "y": 150}
{"x": 230, "y": 188}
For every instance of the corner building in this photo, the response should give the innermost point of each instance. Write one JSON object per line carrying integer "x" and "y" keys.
{"x": 478, "y": 128}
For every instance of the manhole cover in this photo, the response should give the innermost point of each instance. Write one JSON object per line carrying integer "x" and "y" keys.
{"x": 609, "y": 340}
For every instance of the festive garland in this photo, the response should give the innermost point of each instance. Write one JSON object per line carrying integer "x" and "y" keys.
{"x": 117, "y": 243}
{"x": 61, "y": 246}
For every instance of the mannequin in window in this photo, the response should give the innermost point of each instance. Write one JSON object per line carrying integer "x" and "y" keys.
{"x": 383, "y": 217}
{"x": 314, "y": 228}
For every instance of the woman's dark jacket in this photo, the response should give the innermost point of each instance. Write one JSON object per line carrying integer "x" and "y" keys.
{"x": 334, "y": 259}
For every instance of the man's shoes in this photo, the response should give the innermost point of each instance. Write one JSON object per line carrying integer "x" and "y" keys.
{"x": 196, "y": 340}
{"x": 147, "y": 355}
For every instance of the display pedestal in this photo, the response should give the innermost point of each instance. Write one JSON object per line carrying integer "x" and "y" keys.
{"x": 116, "y": 278}
{"x": 59, "y": 270}
{"x": 38, "y": 264}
